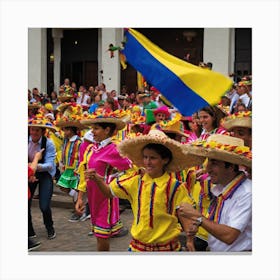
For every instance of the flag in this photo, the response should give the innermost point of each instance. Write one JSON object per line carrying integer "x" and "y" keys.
{"x": 186, "y": 86}
{"x": 140, "y": 81}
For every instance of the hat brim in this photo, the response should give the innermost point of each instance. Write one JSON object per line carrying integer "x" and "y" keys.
{"x": 119, "y": 123}
{"x": 33, "y": 106}
{"x": 201, "y": 153}
{"x": 177, "y": 132}
{"x": 77, "y": 124}
{"x": 238, "y": 122}
{"x": 64, "y": 98}
{"x": 52, "y": 128}
{"x": 133, "y": 148}
{"x": 62, "y": 107}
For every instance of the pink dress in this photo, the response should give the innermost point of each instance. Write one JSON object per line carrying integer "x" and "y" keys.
{"x": 204, "y": 135}
{"x": 105, "y": 217}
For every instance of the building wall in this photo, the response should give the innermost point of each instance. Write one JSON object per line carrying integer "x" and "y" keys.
{"x": 217, "y": 49}
{"x": 110, "y": 66}
{"x": 37, "y": 59}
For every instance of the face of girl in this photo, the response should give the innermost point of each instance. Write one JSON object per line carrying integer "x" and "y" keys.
{"x": 99, "y": 133}
{"x": 153, "y": 163}
{"x": 160, "y": 117}
{"x": 206, "y": 120}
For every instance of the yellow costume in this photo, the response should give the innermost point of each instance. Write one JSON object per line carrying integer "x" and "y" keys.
{"x": 153, "y": 203}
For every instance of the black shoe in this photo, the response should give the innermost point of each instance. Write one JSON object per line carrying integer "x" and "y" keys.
{"x": 32, "y": 245}
{"x": 31, "y": 234}
{"x": 51, "y": 233}
{"x": 122, "y": 232}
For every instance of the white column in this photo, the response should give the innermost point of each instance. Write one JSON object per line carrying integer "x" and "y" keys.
{"x": 37, "y": 58}
{"x": 57, "y": 34}
{"x": 110, "y": 66}
{"x": 218, "y": 48}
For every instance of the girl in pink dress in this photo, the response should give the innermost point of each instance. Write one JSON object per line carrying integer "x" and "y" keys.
{"x": 104, "y": 157}
{"x": 210, "y": 118}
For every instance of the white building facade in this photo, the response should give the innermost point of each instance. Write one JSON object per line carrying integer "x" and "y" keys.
{"x": 218, "y": 47}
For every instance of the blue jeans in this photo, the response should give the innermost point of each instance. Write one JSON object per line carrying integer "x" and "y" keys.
{"x": 45, "y": 183}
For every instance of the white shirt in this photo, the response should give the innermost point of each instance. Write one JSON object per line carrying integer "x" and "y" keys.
{"x": 81, "y": 101}
{"x": 104, "y": 143}
{"x": 104, "y": 95}
{"x": 73, "y": 138}
{"x": 245, "y": 99}
{"x": 236, "y": 213}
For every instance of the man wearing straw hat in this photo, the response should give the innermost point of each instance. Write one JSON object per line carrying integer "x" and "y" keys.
{"x": 229, "y": 217}
{"x": 44, "y": 173}
{"x": 240, "y": 126}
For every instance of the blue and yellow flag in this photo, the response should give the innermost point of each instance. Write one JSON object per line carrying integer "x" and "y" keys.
{"x": 186, "y": 86}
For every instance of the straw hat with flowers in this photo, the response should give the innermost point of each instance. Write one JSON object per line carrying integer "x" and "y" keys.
{"x": 72, "y": 118}
{"x": 40, "y": 121}
{"x": 33, "y": 105}
{"x": 220, "y": 147}
{"x": 117, "y": 117}
{"x": 173, "y": 126}
{"x": 239, "y": 119}
{"x": 133, "y": 149}
{"x": 65, "y": 97}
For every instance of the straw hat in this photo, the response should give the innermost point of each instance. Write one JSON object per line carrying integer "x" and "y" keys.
{"x": 69, "y": 122}
{"x": 33, "y": 106}
{"x": 65, "y": 97}
{"x": 63, "y": 106}
{"x": 132, "y": 148}
{"x": 221, "y": 147}
{"x": 173, "y": 126}
{"x": 239, "y": 119}
{"x": 40, "y": 121}
{"x": 71, "y": 117}
{"x": 111, "y": 117}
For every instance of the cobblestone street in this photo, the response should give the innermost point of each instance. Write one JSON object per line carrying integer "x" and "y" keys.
{"x": 72, "y": 236}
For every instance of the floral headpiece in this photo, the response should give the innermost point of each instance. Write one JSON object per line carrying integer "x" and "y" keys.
{"x": 239, "y": 119}
{"x": 221, "y": 147}
{"x": 118, "y": 117}
{"x": 175, "y": 125}
{"x": 40, "y": 121}
{"x": 71, "y": 117}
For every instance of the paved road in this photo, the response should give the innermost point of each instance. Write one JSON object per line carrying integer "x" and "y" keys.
{"x": 72, "y": 236}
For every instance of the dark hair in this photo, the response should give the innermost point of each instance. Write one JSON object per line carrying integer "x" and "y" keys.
{"x": 161, "y": 150}
{"x": 111, "y": 101}
{"x": 112, "y": 127}
{"x": 73, "y": 128}
{"x": 236, "y": 167}
{"x": 171, "y": 135}
{"x": 215, "y": 113}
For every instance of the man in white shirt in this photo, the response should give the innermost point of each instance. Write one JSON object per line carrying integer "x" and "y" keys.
{"x": 243, "y": 92}
{"x": 83, "y": 97}
{"x": 229, "y": 218}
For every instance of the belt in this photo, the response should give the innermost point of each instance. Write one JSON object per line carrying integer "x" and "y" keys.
{"x": 138, "y": 246}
